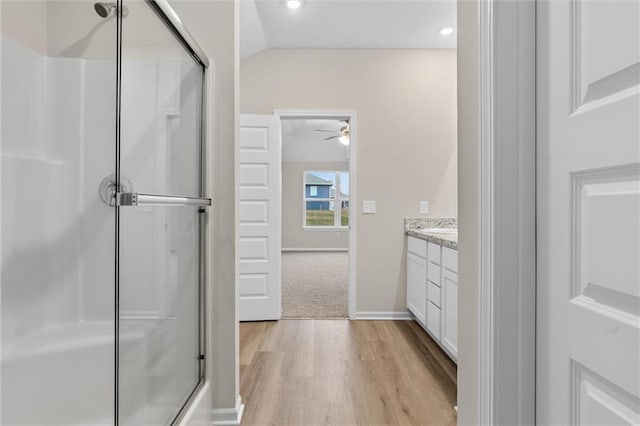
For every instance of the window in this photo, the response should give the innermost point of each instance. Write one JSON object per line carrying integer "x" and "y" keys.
{"x": 326, "y": 199}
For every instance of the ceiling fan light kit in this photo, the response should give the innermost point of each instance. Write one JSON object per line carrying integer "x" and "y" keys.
{"x": 342, "y": 135}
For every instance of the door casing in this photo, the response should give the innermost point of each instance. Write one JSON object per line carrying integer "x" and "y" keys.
{"x": 506, "y": 242}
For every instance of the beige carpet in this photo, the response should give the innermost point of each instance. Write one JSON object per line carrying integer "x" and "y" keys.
{"x": 314, "y": 285}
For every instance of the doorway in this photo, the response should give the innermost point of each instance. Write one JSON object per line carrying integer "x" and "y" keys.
{"x": 319, "y": 146}
{"x": 315, "y": 218}
{"x": 297, "y": 199}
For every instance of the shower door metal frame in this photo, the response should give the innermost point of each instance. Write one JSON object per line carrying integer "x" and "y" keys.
{"x": 172, "y": 21}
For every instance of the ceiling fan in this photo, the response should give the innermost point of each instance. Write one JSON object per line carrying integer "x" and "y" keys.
{"x": 342, "y": 135}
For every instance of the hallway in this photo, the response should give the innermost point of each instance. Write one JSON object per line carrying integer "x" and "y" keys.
{"x": 339, "y": 372}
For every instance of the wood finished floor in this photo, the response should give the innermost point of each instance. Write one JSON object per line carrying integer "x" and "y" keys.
{"x": 340, "y": 372}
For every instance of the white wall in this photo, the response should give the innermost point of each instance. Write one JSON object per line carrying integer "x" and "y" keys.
{"x": 70, "y": 29}
{"x": 406, "y": 105}
{"x": 293, "y": 236}
{"x": 26, "y": 22}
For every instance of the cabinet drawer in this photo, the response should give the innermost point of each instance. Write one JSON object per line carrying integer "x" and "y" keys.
{"x": 417, "y": 246}
{"x": 434, "y": 253}
{"x": 433, "y": 320}
{"x": 433, "y": 294}
{"x": 450, "y": 259}
{"x": 434, "y": 273}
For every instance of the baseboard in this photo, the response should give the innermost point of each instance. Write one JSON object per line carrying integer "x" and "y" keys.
{"x": 315, "y": 249}
{"x": 228, "y": 416}
{"x": 384, "y": 315}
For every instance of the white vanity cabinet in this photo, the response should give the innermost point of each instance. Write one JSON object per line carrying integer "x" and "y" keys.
{"x": 417, "y": 278}
{"x": 432, "y": 291}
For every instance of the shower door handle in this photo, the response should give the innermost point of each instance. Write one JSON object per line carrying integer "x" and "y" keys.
{"x": 125, "y": 199}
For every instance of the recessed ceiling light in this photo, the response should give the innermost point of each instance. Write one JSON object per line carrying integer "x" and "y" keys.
{"x": 294, "y": 4}
{"x": 446, "y": 31}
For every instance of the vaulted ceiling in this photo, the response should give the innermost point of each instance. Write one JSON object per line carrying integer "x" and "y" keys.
{"x": 363, "y": 24}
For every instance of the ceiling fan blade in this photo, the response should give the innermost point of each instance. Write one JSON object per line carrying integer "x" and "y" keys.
{"x": 320, "y": 130}
{"x": 331, "y": 137}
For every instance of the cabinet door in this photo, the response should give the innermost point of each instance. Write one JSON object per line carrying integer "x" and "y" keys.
{"x": 417, "y": 287}
{"x": 450, "y": 317}
{"x": 433, "y": 320}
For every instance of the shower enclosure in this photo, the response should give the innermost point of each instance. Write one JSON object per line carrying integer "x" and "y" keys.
{"x": 102, "y": 211}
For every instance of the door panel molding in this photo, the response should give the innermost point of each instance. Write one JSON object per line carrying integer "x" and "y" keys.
{"x": 619, "y": 189}
{"x": 622, "y": 76}
{"x": 591, "y": 392}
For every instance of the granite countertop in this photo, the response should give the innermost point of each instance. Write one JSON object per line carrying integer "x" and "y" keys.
{"x": 416, "y": 228}
{"x": 446, "y": 240}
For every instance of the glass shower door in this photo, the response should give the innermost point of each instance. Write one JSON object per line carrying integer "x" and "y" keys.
{"x": 160, "y": 220}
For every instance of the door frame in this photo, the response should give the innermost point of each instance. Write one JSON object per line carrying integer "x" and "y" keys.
{"x": 351, "y": 116}
{"x": 507, "y": 190}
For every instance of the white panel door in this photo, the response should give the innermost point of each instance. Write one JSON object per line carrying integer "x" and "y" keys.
{"x": 588, "y": 342}
{"x": 259, "y": 213}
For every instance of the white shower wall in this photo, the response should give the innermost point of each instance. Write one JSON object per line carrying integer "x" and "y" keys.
{"x": 57, "y": 145}
{"x": 57, "y": 237}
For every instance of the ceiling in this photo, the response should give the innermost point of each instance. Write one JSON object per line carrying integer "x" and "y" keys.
{"x": 366, "y": 24}
{"x": 301, "y": 143}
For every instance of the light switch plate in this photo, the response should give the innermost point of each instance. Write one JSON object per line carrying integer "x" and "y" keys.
{"x": 368, "y": 207}
{"x": 424, "y": 207}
